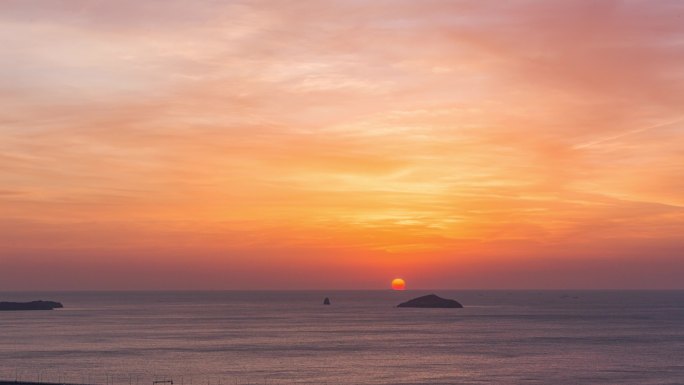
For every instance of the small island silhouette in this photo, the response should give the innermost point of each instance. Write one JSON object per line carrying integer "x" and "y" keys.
{"x": 431, "y": 301}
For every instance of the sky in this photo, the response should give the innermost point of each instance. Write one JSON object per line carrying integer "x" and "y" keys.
{"x": 337, "y": 144}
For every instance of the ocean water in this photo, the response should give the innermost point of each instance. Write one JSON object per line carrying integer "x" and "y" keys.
{"x": 500, "y": 337}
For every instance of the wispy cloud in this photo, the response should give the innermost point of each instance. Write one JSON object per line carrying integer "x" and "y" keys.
{"x": 406, "y": 133}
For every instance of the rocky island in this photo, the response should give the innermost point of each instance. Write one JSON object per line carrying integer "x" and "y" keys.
{"x": 431, "y": 301}
{"x": 33, "y": 305}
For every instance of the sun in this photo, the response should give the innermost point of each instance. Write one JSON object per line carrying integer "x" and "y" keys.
{"x": 398, "y": 284}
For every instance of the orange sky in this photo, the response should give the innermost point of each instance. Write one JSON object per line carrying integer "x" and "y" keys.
{"x": 338, "y": 144}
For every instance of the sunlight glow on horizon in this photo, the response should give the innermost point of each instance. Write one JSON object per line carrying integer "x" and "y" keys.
{"x": 333, "y": 144}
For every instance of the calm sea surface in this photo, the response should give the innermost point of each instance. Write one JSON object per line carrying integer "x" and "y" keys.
{"x": 500, "y": 337}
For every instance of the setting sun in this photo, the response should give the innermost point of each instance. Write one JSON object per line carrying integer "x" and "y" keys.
{"x": 398, "y": 284}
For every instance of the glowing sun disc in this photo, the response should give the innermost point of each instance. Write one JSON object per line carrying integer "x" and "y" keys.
{"x": 398, "y": 284}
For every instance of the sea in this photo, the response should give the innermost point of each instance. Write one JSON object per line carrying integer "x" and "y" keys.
{"x": 290, "y": 337}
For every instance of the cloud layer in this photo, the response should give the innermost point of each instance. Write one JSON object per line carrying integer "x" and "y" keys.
{"x": 340, "y": 143}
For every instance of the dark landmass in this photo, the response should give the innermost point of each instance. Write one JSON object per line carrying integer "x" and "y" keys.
{"x": 431, "y": 301}
{"x": 34, "y": 305}
{"x": 4, "y": 382}
{"x": 326, "y": 301}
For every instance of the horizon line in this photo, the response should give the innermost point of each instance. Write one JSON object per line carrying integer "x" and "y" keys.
{"x": 323, "y": 290}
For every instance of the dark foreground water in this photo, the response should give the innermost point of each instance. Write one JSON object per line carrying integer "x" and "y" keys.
{"x": 500, "y": 337}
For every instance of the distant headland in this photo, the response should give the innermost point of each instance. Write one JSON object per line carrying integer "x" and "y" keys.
{"x": 33, "y": 305}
